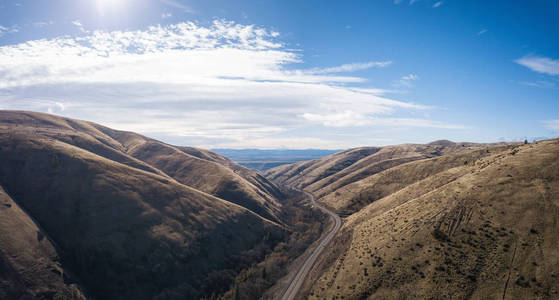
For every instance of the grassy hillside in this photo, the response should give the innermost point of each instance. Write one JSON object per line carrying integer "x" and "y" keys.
{"x": 29, "y": 264}
{"x": 343, "y": 180}
{"x": 132, "y": 218}
{"x": 201, "y": 169}
{"x": 354, "y": 195}
{"x": 480, "y": 223}
{"x": 302, "y": 174}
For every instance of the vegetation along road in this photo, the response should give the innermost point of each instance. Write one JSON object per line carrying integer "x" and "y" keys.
{"x": 297, "y": 280}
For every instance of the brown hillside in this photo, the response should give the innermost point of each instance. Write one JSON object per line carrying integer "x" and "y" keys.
{"x": 465, "y": 225}
{"x": 208, "y": 176}
{"x": 302, "y": 174}
{"x": 328, "y": 177}
{"x": 197, "y": 168}
{"x": 127, "y": 229}
{"x": 355, "y": 195}
{"x": 358, "y": 162}
{"x": 385, "y": 158}
{"x": 29, "y": 264}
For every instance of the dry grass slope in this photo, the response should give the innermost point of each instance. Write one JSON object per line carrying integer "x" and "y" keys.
{"x": 197, "y": 168}
{"x": 336, "y": 176}
{"x": 29, "y": 264}
{"x": 126, "y": 228}
{"x": 480, "y": 224}
{"x": 357, "y": 194}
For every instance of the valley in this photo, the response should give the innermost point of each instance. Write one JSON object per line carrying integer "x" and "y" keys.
{"x": 92, "y": 212}
{"x": 95, "y": 212}
{"x": 279, "y": 150}
{"x": 441, "y": 220}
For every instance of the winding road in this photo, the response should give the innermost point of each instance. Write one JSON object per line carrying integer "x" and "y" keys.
{"x": 297, "y": 280}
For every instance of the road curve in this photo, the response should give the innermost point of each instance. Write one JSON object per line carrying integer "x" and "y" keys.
{"x": 297, "y": 280}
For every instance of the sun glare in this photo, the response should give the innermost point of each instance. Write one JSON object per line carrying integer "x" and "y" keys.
{"x": 107, "y": 6}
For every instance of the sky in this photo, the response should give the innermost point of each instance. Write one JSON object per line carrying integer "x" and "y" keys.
{"x": 288, "y": 74}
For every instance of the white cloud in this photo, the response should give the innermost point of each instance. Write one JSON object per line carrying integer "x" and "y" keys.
{"x": 372, "y": 91}
{"x": 79, "y": 24}
{"x": 413, "y": 1}
{"x": 405, "y": 81}
{"x": 42, "y": 24}
{"x": 352, "y": 118}
{"x": 224, "y": 84}
{"x": 482, "y": 31}
{"x": 410, "y": 77}
{"x": 437, "y": 4}
{"x": 540, "y": 84}
{"x": 349, "y": 67}
{"x": 339, "y": 119}
{"x": 55, "y": 107}
{"x": 540, "y": 64}
{"x": 166, "y": 15}
{"x": 551, "y": 124}
{"x": 284, "y": 143}
{"x": 11, "y": 29}
{"x": 179, "y": 5}
{"x": 414, "y": 122}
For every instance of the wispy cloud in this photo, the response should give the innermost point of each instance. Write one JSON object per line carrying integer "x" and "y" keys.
{"x": 372, "y": 91}
{"x": 540, "y": 84}
{"x": 482, "y": 31}
{"x": 166, "y": 15}
{"x": 3, "y": 30}
{"x": 224, "y": 84}
{"x": 540, "y": 64}
{"x": 551, "y": 124}
{"x": 79, "y": 24}
{"x": 437, "y": 4}
{"x": 6, "y": 30}
{"x": 413, "y": 1}
{"x": 179, "y": 5}
{"x": 42, "y": 24}
{"x": 345, "y": 68}
{"x": 351, "y": 118}
{"x": 405, "y": 81}
{"x": 410, "y": 77}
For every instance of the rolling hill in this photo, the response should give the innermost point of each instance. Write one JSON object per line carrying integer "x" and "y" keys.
{"x": 327, "y": 177}
{"x": 439, "y": 221}
{"x": 93, "y": 211}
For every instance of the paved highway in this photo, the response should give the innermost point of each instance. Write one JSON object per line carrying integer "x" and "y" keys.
{"x": 297, "y": 280}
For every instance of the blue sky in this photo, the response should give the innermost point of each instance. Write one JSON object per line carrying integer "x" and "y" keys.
{"x": 288, "y": 74}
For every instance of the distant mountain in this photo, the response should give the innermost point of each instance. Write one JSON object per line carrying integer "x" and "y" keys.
{"x": 263, "y": 160}
{"x": 442, "y": 220}
{"x": 88, "y": 210}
